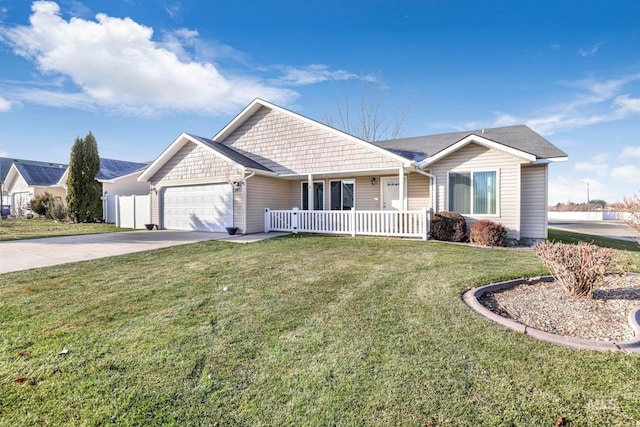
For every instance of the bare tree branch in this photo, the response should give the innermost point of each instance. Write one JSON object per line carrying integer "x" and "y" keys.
{"x": 367, "y": 118}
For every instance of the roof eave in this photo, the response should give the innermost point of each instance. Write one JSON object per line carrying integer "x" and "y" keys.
{"x": 546, "y": 160}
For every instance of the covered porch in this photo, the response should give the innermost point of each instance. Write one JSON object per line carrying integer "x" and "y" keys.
{"x": 386, "y": 202}
{"x": 414, "y": 224}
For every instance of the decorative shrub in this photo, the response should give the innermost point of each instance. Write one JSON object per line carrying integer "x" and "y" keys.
{"x": 488, "y": 233}
{"x": 57, "y": 212}
{"x": 40, "y": 205}
{"x": 578, "y": 268}
{"x": 449, "y": 227}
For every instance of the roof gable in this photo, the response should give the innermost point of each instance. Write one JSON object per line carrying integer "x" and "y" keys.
{"x": 224, "y": 152}
{"x": 520, "y": 138}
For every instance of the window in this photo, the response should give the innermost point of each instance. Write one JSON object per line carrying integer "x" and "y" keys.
{"x": 473, "y": 192}
{"x": 342, "y": 197}
{"x": 318, "y": 196}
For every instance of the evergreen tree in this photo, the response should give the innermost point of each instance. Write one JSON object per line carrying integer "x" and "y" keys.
{"x": 83, "y": 190}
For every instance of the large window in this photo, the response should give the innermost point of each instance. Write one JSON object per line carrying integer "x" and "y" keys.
{"x": 318, "y": 196}
{"x": 342, "y": 197}
{"x": 474, "y": 193}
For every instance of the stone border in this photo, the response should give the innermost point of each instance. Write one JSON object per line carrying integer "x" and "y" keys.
{"x": 471, "y": 298}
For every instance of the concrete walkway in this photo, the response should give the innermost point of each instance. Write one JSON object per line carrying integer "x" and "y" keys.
{"x": 19, "y": 255}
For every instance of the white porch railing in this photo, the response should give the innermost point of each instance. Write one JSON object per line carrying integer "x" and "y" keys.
{"x": 353, "y": 222}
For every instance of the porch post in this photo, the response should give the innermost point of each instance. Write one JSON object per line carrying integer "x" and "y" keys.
{"x": 310, "y": 203}
{"x": 403, "y": 200}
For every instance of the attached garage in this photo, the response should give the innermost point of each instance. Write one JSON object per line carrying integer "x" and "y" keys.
{"x": 206, "y": 207}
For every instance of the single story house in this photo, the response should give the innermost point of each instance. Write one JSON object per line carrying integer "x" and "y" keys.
{"x": 29, "y": 179}
{"x": 270, "y": 165}
{"x": 26, "y": 180}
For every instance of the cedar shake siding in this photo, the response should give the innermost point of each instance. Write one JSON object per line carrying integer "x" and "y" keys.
{"x": 194, "y": 164}
{"x": 475, "y": 157}
{"x": 290, "y": 147}
{"x": 534, "y": 196}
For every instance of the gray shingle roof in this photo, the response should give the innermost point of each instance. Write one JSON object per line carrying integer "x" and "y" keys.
{"x": 231, "y": 153}
{"x": 520, "y": 137}
{"x": 41, "y": 175}
{"x": 112, "y": 169}
{"x": 6, "y": 162}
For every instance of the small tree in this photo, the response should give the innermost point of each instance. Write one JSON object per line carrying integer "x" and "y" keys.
{"x": 42, "y": 203}
{"x": 83, "y": 190}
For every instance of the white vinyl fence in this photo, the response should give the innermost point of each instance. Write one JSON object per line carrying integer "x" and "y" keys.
{"x": 127, "y": 211}
{"x": 353, "y": 222}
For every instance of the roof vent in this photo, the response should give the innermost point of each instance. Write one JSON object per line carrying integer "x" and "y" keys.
{"x": 483, "y": 131}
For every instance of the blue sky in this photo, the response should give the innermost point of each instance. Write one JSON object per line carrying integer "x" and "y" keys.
{"x": 138, "y": 73}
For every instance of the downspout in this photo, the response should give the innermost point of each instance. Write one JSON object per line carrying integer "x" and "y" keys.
{"x": 244, "y": 201}
{"x": 434, "y": 191}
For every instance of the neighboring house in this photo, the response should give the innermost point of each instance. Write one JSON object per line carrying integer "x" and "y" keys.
{"x": 27, "y": 180}
{"x": 118, "y": 177}
{"x": 269, "y": 158}
{"x": 5, "y": 166}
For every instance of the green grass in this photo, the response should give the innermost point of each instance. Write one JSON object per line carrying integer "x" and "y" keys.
{"x": 311, "y": 331}
{"x": 556, "y": 235}
{"x": 18, "y": 229}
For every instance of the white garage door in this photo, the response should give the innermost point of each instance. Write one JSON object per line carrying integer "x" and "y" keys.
{"x": 198, "y": 207}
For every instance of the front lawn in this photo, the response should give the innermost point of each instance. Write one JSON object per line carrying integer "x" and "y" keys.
{"x": 18, "y": 229}
{"x": 292, "y": 331}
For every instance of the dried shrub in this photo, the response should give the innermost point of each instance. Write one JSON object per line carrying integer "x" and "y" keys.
{"x": 578, "y": 268}
{"x": 632, "y": 206}
{"x": 449, "y": 227}
{"x": 488, "y": 233}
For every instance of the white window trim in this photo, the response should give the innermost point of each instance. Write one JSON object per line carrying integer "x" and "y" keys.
{"x": 302, "y": 192}
{"x": 347, "y": 180}
{"x": 471, "y": 172}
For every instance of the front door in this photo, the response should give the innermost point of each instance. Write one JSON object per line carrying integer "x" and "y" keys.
{"x": 391, "y": 193}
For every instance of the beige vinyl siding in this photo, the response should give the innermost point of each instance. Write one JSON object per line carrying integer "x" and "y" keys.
{"x": 17, "y": 184}
{"x": 534, "y": 202}
{"x": 238, "y": 209}
{"x": 475, "y": 157}
{"x": 264, "y": 192}
{"x": 367, "y": 195}
{"x": 155, "y": 208}
{"x": 195, "y": 164}
{"x": 289, "y": 146}
{"x": 418, "y": 192}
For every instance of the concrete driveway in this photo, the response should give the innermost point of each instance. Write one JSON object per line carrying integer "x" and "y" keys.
{"x": 25, "y": 254}
{"x": 612, "y": 229}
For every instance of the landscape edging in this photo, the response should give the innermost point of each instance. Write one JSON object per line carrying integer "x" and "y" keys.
{"x": 472, "y": 296}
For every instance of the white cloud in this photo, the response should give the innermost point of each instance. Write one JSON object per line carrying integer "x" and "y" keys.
{"x": 627, "y": 105}
{"x": 316, "y": 73}
{"x": 585, "y": 53}
{"x": 597, "y": 102}
{"x": 630, "y": 152}
{"x": 115, "y": 64}
{"x": 5, "y": 105}
{"x": 626, "y": 173}
{"x": 567, "y": 188}
{"x": 596, "y": 165}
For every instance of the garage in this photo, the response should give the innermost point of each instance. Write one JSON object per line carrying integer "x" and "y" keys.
{"x": 198, "y": 207}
